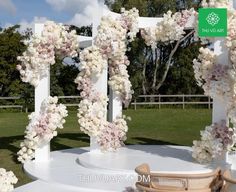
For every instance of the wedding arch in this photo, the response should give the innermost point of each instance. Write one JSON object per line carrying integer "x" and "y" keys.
{"x": 214, "y": 71}
{"x": 103, "y": 54}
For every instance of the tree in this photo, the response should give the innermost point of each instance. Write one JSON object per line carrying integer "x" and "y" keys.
{"x": 84, "y": 30}
{"x": 11, "y": 46}
{"x": 152, "y": 8}
{"x": 180, "y": 77}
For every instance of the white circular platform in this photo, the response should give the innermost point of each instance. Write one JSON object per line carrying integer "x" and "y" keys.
{"x": 81, "y": 170}
{"x": 161, "y": 158}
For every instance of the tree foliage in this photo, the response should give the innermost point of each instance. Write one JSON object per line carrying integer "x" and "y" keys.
{"x": 11, "y": 46}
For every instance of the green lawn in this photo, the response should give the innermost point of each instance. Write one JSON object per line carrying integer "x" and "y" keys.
{"x": 148, "y": 126}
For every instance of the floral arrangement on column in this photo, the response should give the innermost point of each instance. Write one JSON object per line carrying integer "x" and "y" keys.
{"x": 7, "y": 180}
{"x": 217, "y": 80}
{"x": 55, "y": 40}
{"x": 42, "y": 127}
{"x": 215, "y": 139}
{"x": 109, "y": 49}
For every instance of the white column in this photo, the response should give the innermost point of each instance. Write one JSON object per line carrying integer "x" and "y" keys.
{"x": 219, "y": 104}
{"x": 220, "y": 49}
{"x": 99, "y": 84}
{"x": 42, "y": 91}
{"x": 115, "y": 106}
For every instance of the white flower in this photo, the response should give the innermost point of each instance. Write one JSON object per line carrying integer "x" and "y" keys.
{"x": 214, "y": 140}
{"x": 109, "y": 48}
{"x": 7, "y": 180}
{"x": 170, "y": 29}
{"x": 41, "y": 51}
{"x": 42, "y": 127}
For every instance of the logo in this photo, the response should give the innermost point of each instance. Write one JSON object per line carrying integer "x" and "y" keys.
{"x": 213, "y": 19}
{"x": 212, "y": 22}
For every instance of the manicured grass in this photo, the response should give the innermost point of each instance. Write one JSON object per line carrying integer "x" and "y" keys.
{"x": 148, "y": 126}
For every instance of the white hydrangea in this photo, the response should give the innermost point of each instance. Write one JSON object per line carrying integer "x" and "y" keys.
{"x": 7, "y": 180}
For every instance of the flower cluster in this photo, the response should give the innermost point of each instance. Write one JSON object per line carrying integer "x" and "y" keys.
{"x": 7, "y": 180}
{"x": 112, "y": 41}
{"x": 129, "y": 20}
{"x": 92, "y": 114}
{"x": 231, "y": 38}
{"x": 182, "y": 18}
{"x": 113, "y": 135}
{"x": 203, "y": 64}
{"x": 109, "y": 48}
{"x": 216, "y": 4}
{"x": 214, "y": 140}
{"x": 111, "y": 38}
{"x": 41, "y": 51}
{"x": 42, "y": 127}
{"x": 214, "y": 78}
{"x": 170, "y": 29}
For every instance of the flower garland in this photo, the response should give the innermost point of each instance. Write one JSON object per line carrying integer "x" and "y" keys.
{"x": 170, "y": 29}
{"x": 41, "y": 51}
{"x": 7, "y": 180}
{"x": 217, "y": 80}
{"x": 42, "y": 127}
{"x": 109, "y": 48}
{"x": 215, "y": 139}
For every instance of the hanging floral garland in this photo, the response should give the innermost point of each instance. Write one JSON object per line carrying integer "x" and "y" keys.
{"x": 169, "y": 30}
{"x": 109, "y": 48}
{"x": 42, "y": 127}
{"x": 7, "y": 180}
{"x": 217, "y": 80}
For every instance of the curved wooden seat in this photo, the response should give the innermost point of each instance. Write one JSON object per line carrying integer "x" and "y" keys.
{"x": 161, "y": 182}
{"x": 229, "y": 182}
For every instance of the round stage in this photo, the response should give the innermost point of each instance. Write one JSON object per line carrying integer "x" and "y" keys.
{"x": 79, "y": 169}
{"x": 161, "y": 158}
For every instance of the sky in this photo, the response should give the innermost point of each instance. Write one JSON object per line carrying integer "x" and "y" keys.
{"x": 26, "y": 12}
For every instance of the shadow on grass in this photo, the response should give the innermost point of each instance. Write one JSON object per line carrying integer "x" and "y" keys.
{"x": 149, "y": 141}
{"x": 12, "y": 143}
{"x": 77, "y": 137}
{"x": 9, "y": 143}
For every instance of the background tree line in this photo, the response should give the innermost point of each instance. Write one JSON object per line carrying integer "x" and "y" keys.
{"x": 146, "y": 69}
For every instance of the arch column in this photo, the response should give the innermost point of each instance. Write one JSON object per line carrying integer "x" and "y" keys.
{"x": 219, "y": 104}
{"x": 99, "y": 84}
{"x": 42, "y": 92}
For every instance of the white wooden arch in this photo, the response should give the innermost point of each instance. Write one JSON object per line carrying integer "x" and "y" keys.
{"x": 42, "y": 91}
